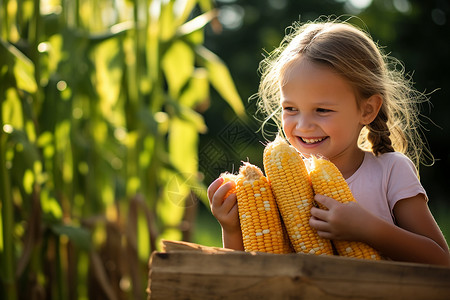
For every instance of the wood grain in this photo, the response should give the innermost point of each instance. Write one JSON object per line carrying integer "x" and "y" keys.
{"x": 201, "y": 273}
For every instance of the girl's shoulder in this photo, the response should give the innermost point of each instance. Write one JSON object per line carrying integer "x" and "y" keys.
{"x": 396, "y": 173}
{"x": 391, "y": 162}
{"x": 389, "y": 158}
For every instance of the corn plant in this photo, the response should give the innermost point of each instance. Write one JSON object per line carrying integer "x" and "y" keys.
{"x": 100, "y": 116}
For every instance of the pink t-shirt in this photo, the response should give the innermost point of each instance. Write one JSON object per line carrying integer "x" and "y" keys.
{"x": 383, "y": 180}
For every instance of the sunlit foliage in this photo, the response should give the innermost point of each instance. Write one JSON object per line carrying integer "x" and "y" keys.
{"x": 100, "y": 114}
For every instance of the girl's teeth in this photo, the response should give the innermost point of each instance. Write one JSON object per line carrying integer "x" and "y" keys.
{"x": 311, "y": 141}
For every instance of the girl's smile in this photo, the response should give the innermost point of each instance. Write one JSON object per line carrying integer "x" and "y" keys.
{"x": 311, "y": 141}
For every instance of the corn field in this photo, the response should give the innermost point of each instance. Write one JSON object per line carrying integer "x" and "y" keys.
{"x": 100, "y": 113}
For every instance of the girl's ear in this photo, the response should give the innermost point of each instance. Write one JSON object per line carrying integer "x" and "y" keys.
{"x": 370, "y": 108}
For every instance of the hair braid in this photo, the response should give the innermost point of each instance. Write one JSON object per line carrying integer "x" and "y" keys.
{"x": 379, "y": 134}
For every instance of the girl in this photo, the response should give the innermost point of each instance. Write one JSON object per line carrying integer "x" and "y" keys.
{"x": 333, "y": 93}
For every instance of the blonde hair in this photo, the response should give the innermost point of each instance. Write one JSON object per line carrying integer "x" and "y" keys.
{"x": 352, "y": 53}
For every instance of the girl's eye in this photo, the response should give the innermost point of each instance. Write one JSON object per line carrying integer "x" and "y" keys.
{"x": 323, "y": 110}
{"x": 289, "y": 109}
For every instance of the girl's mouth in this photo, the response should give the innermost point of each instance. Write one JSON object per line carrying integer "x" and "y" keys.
{"x": 312, "y": 141}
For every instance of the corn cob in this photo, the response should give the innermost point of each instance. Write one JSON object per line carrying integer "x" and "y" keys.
{"x": 227, "y": 177}
{"x": 261, "y": 225}
{"x": 291, "y": 187}
{"x": 327, "y": 180}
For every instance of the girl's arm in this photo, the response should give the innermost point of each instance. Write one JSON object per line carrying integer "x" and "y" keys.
{"x": 417, "y": 238}
{"x": 419, "y": 232}
{"x": 226, "y": 212}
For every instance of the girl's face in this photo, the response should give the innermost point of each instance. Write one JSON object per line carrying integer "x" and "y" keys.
{"x": 320, "y": 115}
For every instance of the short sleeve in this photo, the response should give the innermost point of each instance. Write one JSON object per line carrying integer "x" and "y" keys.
{"x": 403, "y": 180}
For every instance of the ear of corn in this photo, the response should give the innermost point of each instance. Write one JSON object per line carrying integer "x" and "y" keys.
{"x": 227, "y": 177}
{"x": 327, "y": 180}
{"x": 288, "y": 188}
{"x": 261, "y": 225}
{"x": 290, "y": 184}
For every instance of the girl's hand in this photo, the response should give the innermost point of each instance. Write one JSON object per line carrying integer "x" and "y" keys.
{"x": 225, "y": 210}
{"x": 341, "y": 221}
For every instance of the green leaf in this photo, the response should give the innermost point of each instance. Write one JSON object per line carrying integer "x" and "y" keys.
{"x": 187, "y": 114}
{"x": 197, "y": 23}
{"x": 45, "y": 139}
{"x": 28, "y": 181}
{"x": 205, "y": 5}
{"x": 167, "y": 22}
{"x": 183, "y": 140}
{"x": 198, "y": 89}
{"x": 50, "y": 207}
{"x": 178, "y": 65}
{"x": 195, "y": 37}
{"x": 152, "y": 45}
{"x": 170, "y": 207}
{"x": 81, "y": 237}
{"x": 23, "y": 67}
{"x": 189, "y": 6}
{"x": 143, "y": 235}
{"x": 108, "y": 75}
{"x": 12, "y": 109}
{"x": 194, "y": 118}
{"x": 221, "y": 80}
{"x": 24, "y": 73}
{"x": 198, "y": 187}
{"x": 183, "y": 148}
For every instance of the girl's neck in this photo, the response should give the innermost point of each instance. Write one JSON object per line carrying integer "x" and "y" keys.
{"x": 349, "y": 164}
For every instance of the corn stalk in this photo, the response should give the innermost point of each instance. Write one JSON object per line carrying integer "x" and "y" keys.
{"x": 100, "y": 119}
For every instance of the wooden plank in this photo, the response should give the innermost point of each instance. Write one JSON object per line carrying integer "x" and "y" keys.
{"x": 239, "y": 275}
{"x": 170, "y": 246}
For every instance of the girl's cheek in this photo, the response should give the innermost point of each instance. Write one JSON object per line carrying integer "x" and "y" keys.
{"x": 286, "y": 120}
{"x": 287, "y": 127}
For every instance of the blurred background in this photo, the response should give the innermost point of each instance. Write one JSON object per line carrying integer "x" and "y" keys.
{"x": 116, "y": 115}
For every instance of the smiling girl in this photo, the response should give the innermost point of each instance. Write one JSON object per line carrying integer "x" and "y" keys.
{"x": 333, "y": 93}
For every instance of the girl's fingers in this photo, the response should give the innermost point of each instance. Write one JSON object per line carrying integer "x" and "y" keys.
{"x": 325, "y": 201}
{"x": 213, "y": 188}
{"x": 222, "y": 191}
{"x": 325, "y": 234}
{"x": 319, "y": 213}
{"x": 221, "y": 206}
{"x": 229, "y": 203}
{"x": 234, "y": 209}
{"x": 318, "y": 224}
{"x": 322, "y": 227}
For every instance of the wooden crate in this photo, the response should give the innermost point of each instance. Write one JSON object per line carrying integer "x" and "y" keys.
{"x": 190, "y": 271}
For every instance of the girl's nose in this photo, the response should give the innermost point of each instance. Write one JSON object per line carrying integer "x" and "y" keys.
{"x": 304, "y": 123}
